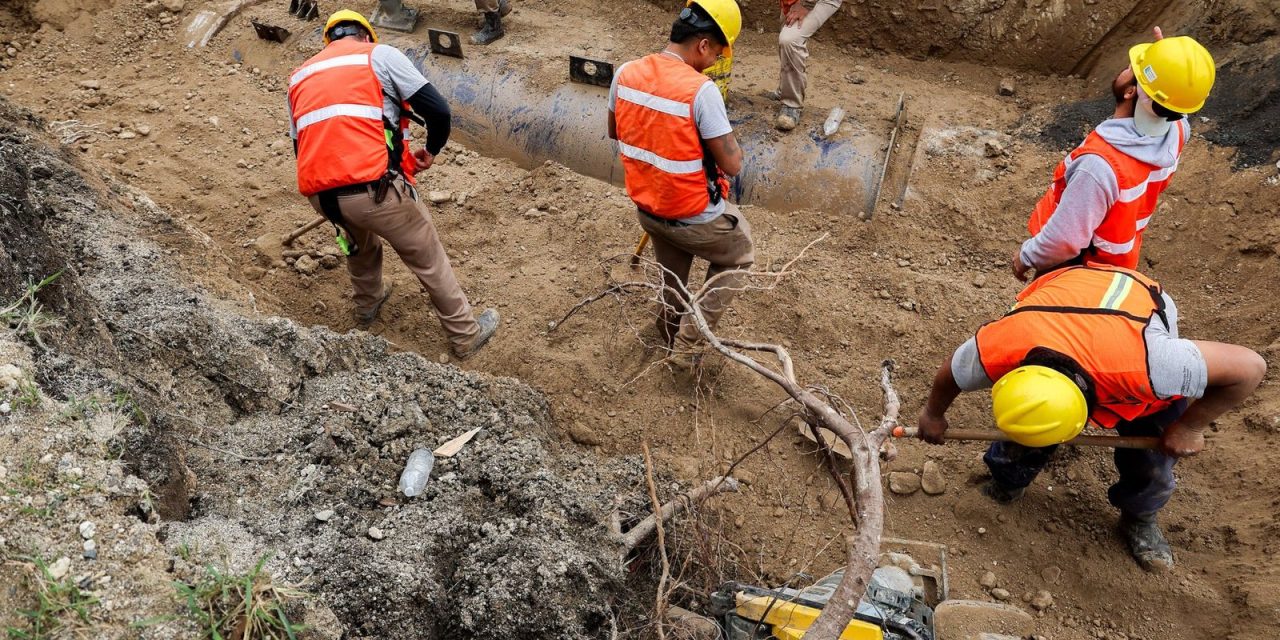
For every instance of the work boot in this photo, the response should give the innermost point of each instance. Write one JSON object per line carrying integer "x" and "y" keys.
{"x": 365, "y": 317}
{"x": 1000, "y": 493}
{"x": 488, "y": 322}
{"x": 1146, "y": 542}
{"x": 788, "y": 118}
{"x": 492, "y": 29}
{"x": 504, "y": 7}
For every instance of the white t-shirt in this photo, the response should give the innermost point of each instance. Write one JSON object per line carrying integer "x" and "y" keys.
{"x": 712, "y": 119}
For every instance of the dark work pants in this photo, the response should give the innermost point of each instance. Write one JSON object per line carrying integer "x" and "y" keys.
{"x": 1146, "y": 476}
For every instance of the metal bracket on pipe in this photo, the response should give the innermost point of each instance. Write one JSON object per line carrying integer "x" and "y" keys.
{"x": 392, "y": 14}
{"x": 305, "y": 9}
{"x": 588, "y": 71}
{"x": 445, "y": 43}
{"x": 270, "y": 31}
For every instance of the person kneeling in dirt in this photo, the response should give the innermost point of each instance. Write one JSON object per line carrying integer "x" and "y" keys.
{"x": 1100, "y": 344}
{"x": 676, "y": 166}
{"x": 1104, "y": 192}
{"x": 355, "y": 168}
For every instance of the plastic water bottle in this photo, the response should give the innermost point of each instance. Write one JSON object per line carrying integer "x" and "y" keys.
{"x": 415, "y": 474}
{"x": 833, "y": 122}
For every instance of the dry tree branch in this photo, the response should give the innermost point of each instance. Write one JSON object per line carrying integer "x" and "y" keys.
{"x": 660, "y": 599}
{"x": 867, "y": 500}
{"x": 645, "y": 528}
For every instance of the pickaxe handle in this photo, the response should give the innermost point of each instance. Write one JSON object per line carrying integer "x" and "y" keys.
{"x": 985, "y": 435}
{"x": 635, "y": 257}
{"x": 288, "y": 238}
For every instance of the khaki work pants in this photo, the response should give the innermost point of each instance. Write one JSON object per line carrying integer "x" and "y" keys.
{"x": 487, "y": 6}
{"x": 793, "y": 52}
{"x": 405, "y": 223}
{"x": 724, "y": 242}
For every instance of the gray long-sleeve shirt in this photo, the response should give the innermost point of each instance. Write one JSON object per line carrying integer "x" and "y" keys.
{"x": 1092, "y": 188}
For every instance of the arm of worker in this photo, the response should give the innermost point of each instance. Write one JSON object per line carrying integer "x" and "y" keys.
{"x": 713, "y": 126}
{"x": 1091, "y": 190}
{"x": 612, "y": 129}
{"x": 402, "y": 82}
{"x": 961, "y": 372}
{"x": 1233, "y": 372}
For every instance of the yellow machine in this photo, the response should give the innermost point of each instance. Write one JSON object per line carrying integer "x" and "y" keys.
{"x": 720, "y": 72}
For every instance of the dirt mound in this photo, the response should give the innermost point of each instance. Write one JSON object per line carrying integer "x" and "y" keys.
{"x": 240, "y": 445}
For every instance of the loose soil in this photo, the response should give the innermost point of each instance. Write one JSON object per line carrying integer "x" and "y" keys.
{"x": 910, "y": 284}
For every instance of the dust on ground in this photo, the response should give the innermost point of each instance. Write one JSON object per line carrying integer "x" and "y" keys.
{"x": 202, "y": 132}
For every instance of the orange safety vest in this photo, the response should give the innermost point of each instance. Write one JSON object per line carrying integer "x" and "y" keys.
{"x": 662, "y": 153}
{"x": 1094, "y": 314}
{"x": 1118, "y": 239}
{"x": 408, "y": 163}
{"x": 336, "y": 101}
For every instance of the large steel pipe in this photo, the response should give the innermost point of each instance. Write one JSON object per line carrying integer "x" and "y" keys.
{"x": 499, "y": 111}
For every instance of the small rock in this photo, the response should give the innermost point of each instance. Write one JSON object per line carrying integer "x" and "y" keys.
{"x": 58, "y": 570}
{"x": 376, "y": 533}
{"x": 779, "y": 512}
{"x": 584, "y": 435}
{"x": 988, "y": 580}
{"x": 1000, "y": 594}
{"x": 174, "y": 6}
{"x": 443, "y": 358}
{"x": 5, "y": 408}
{"x": 90, "y": 554}
{"x": 143, "y": 130}
{"x": 87, "y": 529}
{"x": 89, "y": 545}
{"x": 982, "y": 531}
{"x": 325, "y": 515}
{"x": 306, "y": 265}
{"x": 90, "y": 84}
{"x": 980, "y": 280}
{"x": 992, "y": 149}
{"x": 907, "y": 305}
{"x": 533, "y": 212}
{"x": 903, "y": 262}
{"x": 903, "y": 483}
{"x": 1042, "y": 600}
{"x": 1007, "y": 87}
{"x": 932, "y": 480}
{"x": 439, "y": 197}
{"x": 127, "y": 135}
{"x": 1051, "y": 574}
{"x": 744, "y": 476}
{"x": 329, "y": 261}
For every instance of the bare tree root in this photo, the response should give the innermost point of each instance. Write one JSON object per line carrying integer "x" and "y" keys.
{"x": 864, "y": 494}
{"x": 645, "y": 528}
{"x": 660, "y": 599}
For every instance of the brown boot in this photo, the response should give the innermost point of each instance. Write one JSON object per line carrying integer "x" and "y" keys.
{"x": 365, "y": 317}
{"x": 488, "y": 322}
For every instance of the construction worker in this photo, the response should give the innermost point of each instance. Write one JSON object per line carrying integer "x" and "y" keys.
{"x": 677, "y": 148}
{"x": 348, "y": 113}
{"x": 800, "y": 20}
{"x": 494, "y": 11}
{"x": 1096, "y": 344}
{"x": 1104, "y": 191}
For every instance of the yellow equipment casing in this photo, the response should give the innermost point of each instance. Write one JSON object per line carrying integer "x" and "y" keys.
{"x": 720, "y": 73}
{"x": 790, "y": 621}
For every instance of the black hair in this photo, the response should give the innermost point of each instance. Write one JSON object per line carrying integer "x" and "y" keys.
{"x": 347, "y": 29}
{"x": 694, "y": 23}
{"x": 1067, "y": 366}
{"x": 1165, "y": 112}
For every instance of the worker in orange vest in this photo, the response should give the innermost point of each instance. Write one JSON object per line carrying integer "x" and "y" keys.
{"x": 349, "y": 117}
{"x": 1104, "y": 191}
{"x": 677, "y": 148}
{"x": 1096, "y": 344}
{"x": 800, "y": 20}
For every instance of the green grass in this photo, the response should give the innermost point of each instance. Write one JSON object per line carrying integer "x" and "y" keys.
{"x": 26, "y": 315}
{"x": 28, "y": 395}
{"x": 248, "y": 606}
{"x": 59, "y": 604}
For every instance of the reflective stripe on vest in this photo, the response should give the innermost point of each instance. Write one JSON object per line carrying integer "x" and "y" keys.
{"x": 1097, "y": 316}
{"x": 1118, "y": 239}
{"x": 336, "y": 102}
{"x": 661, "y": 148}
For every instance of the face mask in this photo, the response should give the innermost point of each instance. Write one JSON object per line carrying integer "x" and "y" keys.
{"x": 1145, "y": 118}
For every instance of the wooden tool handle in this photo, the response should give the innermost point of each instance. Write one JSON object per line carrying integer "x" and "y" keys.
{"x": 635, "y": 257}
{"x": 288, "y": 238}
{"x": 985, "y": 435}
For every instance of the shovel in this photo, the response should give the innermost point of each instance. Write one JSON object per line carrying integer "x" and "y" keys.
{"x": 1115, "y": 442}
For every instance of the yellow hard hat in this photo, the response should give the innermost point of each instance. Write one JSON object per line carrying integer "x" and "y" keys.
{"x": 347, "y": 15}
{"x": 1176, "y": 72}
{"x": 1038, "y": 406}
{"x": 726, "y": 14}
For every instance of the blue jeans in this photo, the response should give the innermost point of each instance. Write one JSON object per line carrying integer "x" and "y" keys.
{"x": 1146, "y": 476}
